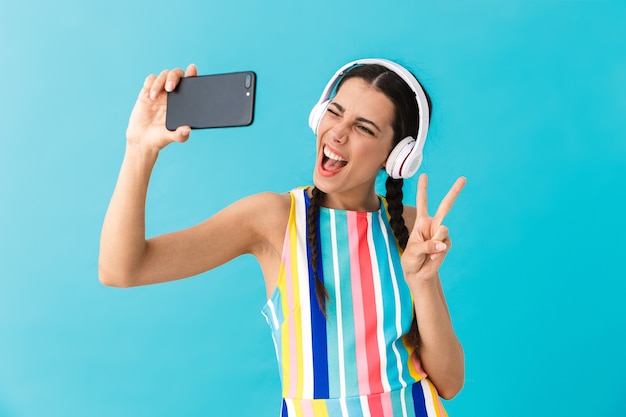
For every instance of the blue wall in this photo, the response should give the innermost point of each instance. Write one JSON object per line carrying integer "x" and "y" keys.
{"x": 529, "y": 101}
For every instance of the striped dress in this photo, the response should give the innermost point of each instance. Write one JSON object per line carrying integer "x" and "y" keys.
{"x": 355, "y": 362}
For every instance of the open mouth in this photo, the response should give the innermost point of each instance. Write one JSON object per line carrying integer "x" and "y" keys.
{"x": 331, "y": 161}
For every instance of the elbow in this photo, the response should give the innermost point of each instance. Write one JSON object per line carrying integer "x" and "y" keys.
{"x": 448, "y": 378}
{"x": 450, "y": 392}
{"x": 111, "y": 279}
{"x": 452, "y": 387}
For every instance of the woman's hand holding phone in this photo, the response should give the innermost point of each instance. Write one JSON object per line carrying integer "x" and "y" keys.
{"x": 146, "y": 127}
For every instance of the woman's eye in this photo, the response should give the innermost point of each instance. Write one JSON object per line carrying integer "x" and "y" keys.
{"x": 331, "y": 111}
{"x": 366, "y": 130}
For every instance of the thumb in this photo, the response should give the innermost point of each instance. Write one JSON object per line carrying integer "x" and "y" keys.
{"x": 181, "y": 134}
{"x": 433, "y": 247}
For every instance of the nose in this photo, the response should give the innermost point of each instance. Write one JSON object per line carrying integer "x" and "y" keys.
{"x": 339, "y": 132}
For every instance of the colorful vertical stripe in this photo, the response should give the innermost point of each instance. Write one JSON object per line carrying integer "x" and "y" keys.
{"x": 355, "y": 361}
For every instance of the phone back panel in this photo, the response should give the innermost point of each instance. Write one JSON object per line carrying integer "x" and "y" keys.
{"x": 209, "y": 101}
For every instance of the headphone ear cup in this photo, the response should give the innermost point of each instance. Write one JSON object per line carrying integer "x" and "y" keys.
{"x": 316, "y": 115}
{"x": 399, "y": 162}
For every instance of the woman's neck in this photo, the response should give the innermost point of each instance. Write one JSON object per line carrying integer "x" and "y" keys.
{"x": 352, "y": 201}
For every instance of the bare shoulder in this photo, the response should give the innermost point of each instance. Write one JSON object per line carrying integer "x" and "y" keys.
{"x": 269, "y": 209}
{"x": 265, "y": 216}
{"x": 278, "y": 201}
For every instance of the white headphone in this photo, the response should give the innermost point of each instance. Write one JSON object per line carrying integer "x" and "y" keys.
{"x": 406, "y": 156}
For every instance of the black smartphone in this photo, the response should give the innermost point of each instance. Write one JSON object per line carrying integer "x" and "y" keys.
{"x": 209, "y": 101}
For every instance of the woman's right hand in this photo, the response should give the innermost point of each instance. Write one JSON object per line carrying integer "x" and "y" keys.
{"x": 146, "y": 127}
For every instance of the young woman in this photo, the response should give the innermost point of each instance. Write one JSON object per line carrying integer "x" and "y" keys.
{"x": 355, "y": 304}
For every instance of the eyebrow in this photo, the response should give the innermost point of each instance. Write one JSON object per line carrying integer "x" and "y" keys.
{"x": 359, "y": 119}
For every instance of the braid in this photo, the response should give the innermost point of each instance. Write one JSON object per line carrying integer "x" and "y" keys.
{"x": 312, "y": 223}
{"x": 400, "y": 231}
{"x": 395, "y": 207}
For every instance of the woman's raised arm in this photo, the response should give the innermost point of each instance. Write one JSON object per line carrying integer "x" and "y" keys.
{"x": 126, "y": 257}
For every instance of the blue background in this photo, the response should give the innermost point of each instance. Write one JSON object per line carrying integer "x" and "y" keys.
{"x": 529, "y": 103}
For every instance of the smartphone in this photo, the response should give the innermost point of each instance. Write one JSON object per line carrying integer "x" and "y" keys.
{"x": 210, "y": 101}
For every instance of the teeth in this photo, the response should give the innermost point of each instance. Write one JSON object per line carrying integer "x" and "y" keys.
{"x": 332, "y": 156}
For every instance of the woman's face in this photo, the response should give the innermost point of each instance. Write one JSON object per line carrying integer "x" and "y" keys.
{"x": 354, "y": 139}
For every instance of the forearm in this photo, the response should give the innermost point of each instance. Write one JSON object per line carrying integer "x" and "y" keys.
{"x": 122, "y": 242}
{"x": 440, "y": 350}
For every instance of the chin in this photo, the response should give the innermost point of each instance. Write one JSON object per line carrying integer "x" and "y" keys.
{"x": 319, "y": 184}
{"x": 325, "y": 184}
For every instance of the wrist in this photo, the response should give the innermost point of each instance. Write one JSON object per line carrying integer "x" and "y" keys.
{"x": 141, "y": 157}
{"x": 424, "y": 284}
{"x": 141, "y": 151}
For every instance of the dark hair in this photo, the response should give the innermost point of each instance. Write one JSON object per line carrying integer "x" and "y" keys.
{"x": 405, "y": 123}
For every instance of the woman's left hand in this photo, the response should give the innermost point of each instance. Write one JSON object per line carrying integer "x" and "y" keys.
{"x": 428, "y": 242}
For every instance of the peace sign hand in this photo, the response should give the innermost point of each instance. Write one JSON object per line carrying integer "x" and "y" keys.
{"x": 428, "y": 242}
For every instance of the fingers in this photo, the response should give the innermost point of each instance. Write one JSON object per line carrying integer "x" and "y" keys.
{"x": 147, "y": 85}
{"x": 173, "y": 77}
{"x": 192, "y": 71}
{"x": 429, "y": 254}
{"x": 444, "y": 206}
{"x": 157, "y": 86}
{"x": 422, "y": 199}
{"x": 441, "y": 250}
{"x": 440, "y": 234}
{"x": 440, "y": 243}
{"x": 166, "y": 81}
{"x": 448, "y": 200}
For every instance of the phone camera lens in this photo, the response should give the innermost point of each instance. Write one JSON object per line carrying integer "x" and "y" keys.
{"x": 248, "y": 80}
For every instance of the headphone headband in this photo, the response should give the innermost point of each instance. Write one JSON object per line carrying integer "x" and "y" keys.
{"x": 410, "y": 160}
